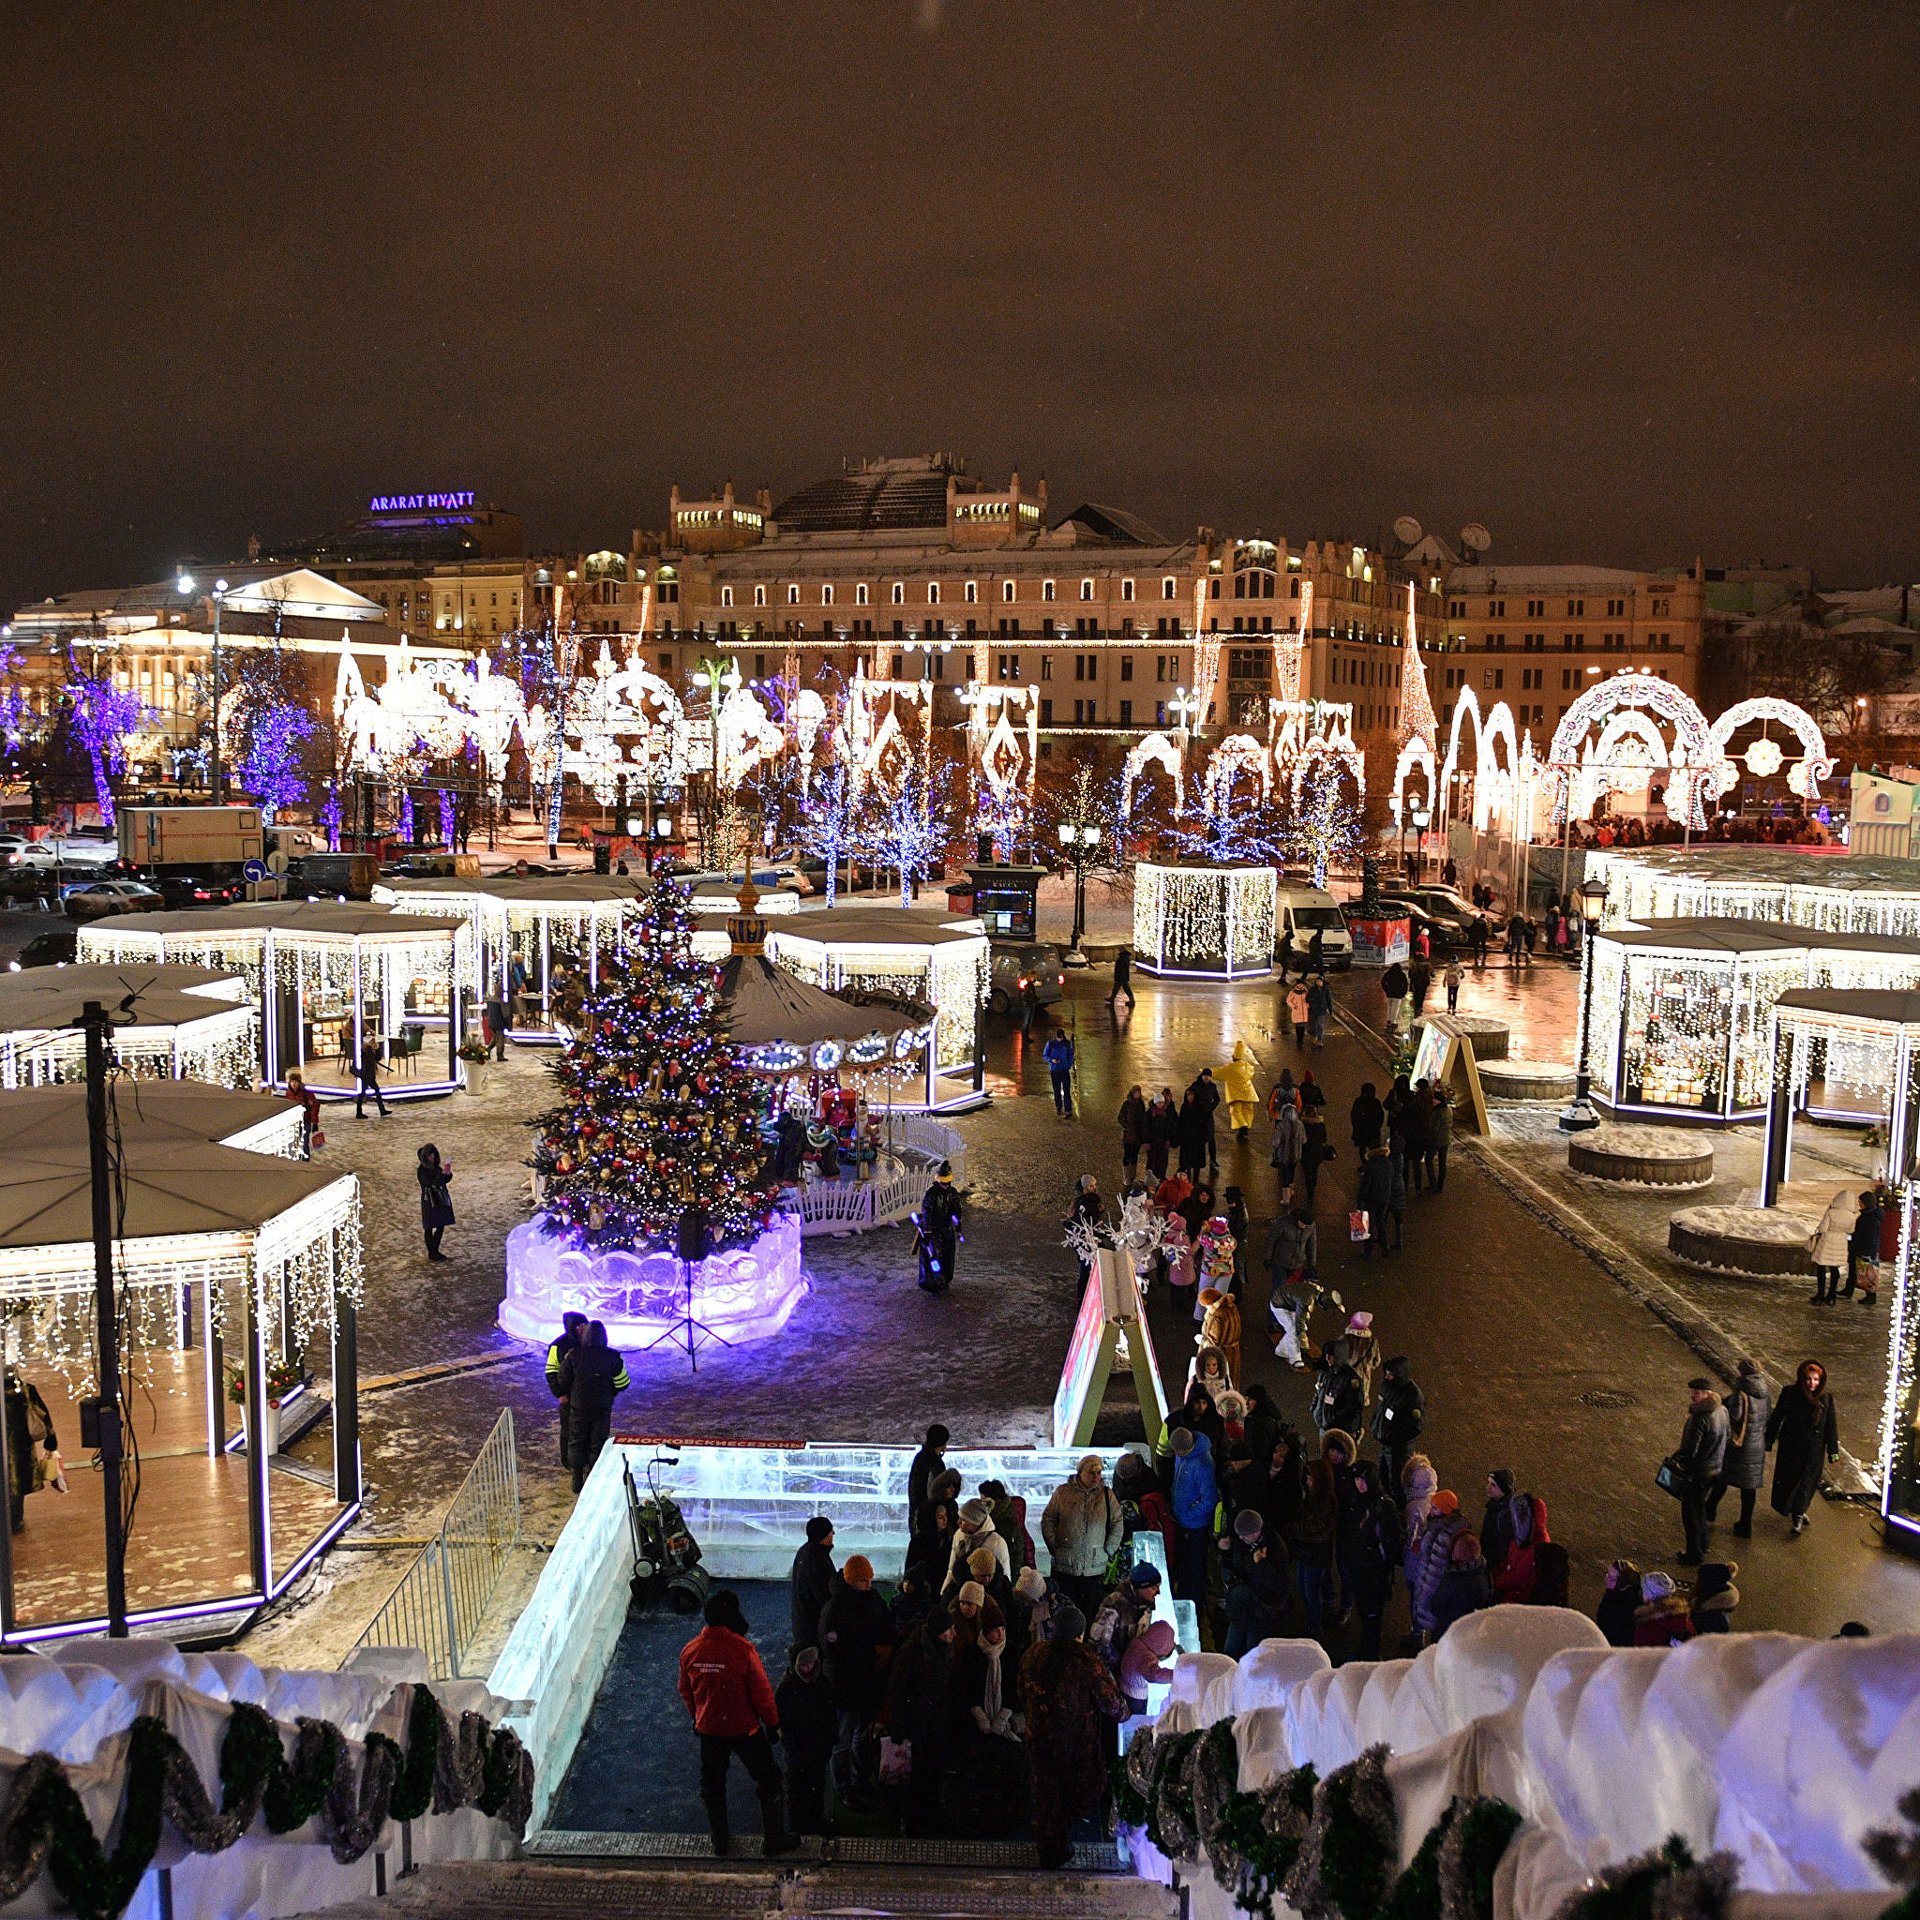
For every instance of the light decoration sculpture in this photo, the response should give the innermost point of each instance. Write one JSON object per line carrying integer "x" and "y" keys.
{"x": 1239, "y": 755}
{"x": 1289, "y": 650}
{"x": 1582, "y": 770}
{"x": 1764, "y": 757}
{"x": 1503, "y": 795}
{"x": 1309, "y": 735}
{"x": 1153, "y": 750}
{"x": 1212, "y": 923}
{"x": 1419, "y": 730}
{"x": 1003, "y": 751}
{"x": 1206, "y": 654}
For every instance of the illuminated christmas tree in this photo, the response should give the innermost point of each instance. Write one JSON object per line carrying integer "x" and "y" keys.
{"x": 1325, "y": 826}
{"x": 655, "y": 1116}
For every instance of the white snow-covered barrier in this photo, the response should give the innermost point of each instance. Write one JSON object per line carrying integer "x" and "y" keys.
{"x": 1543, "y": 1758}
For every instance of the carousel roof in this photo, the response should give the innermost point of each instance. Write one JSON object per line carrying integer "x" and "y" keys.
{"x": 766, "y": 1004}
{"x": 159, "y": 1109}
{"x": 57, "y": 1002}
{"x": 292, "y": 916}
{"x": 171, "y": 1181}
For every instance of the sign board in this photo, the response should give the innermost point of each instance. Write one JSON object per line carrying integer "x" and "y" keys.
{"x": 1379, "y": 943}
{"x": 257, "y": 869}
{"x": 1109, "y": 1312}
{"x": 277, "y": 862}
{"x": 1447, "y": 1060}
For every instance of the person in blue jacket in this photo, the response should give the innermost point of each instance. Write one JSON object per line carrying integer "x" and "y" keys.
{"x": 1059, "y": 1056}
{"x": 1196, "y": 1496}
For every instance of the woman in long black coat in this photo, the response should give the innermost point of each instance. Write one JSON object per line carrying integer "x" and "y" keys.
{"x": 1805, "y": 1430}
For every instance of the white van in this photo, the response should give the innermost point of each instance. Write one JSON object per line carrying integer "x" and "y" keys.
{"x": 1301, "y": 912}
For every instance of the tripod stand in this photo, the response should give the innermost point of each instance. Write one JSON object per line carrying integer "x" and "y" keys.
{"x": 687, "y": 1331}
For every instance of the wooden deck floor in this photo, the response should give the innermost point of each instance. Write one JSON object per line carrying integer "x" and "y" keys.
{"x": 189, "y": 1542}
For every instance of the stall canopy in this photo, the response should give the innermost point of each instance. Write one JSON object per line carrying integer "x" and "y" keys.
{"x": 168, "y": 1020}
{"x": 163, "y": 1109}
{"x": 780, "y": 1024}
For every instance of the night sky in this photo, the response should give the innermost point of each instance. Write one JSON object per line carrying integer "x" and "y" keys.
{"x": 1627, "y": 283}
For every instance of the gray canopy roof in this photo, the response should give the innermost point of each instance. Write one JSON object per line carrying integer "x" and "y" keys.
{"x": 177, "y": 976}
{"x": 169, "y": 1109}
{"x": 292, "y": 916}
{"x": 33, "y": 1001}
{"x": 173, "y": 1182}
{"x": 766, "y": 1003}
{"x": 1883, "y": 1006}
{"x": 1711, "y": 934}
{"x": 533, "y": 889}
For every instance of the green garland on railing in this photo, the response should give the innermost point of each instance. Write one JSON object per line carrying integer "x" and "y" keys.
{"x": 44, "y": 1825}
{"x": 1345, "y": 1871}
{"x": 1668, "y": 1881}
{"x": 1264, "y": 1831}
{"x": 1451, "y": 1877}
{"x": 1129, "y": 1800}
{"x": 1170, "y": 1803}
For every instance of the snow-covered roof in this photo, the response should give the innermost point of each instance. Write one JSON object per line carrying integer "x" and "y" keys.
{"x": 1518, "y": 579}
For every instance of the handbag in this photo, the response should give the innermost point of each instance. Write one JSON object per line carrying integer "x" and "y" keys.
{"x": 316, "y": 1138}
{"x": 896, "y": 1761}
{"x": 1668, "y": 1478}
{"x": 1357, "y": 1227}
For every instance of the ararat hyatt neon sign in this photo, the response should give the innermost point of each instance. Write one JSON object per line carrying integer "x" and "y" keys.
{"x": 417, "y": 502}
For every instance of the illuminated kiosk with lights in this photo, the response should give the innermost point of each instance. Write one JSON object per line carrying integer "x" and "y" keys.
{"x": 1848, "y": 893}
{"x": 186, "y": 1023}
{"x": 329, "y": 979}
{"x": 931, "y": 959}
{"x": 546, "y": 922}
{"x": 1682, "y": 1009}
{"x": 238, "y": 1274}
{"x": 1205, "y": 923}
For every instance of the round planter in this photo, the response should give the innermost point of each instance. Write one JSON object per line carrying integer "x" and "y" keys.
{"x": 474, "y": 1073}
{"x": 1643, "y": 1156}
{"x": 1511, "y": 1079}
{"x": 1756, "y": 1240}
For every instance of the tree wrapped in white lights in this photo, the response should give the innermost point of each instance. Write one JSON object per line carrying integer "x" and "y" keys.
{"x": 1324, "y": 826}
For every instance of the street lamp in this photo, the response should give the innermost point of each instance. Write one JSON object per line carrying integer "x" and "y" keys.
{"x": 1580, "y": 1115}
{"x": 1184, "y": 706}
{"x": 1421, "y": 815}
{"x": 1078, "y": 839}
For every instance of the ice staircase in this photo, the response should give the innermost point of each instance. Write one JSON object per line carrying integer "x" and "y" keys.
{"x": 765, "y": 1890}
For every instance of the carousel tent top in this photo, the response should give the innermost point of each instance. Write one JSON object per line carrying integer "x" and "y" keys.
{"x": 102, "y": 977}
{"x": 530, "y": 889}
{"x": 322, "y": 917}
{"x": 1886, "y": 1007}
{"x": 1703, "y": 934}
{"x": 160, "y": 1109}
{"x": 766, "y": 1004}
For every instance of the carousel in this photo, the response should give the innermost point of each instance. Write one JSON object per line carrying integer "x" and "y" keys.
{"x": 171, "y": 1022}
{"x": 238, "y": 1273}
{"x": 330, "y": 981}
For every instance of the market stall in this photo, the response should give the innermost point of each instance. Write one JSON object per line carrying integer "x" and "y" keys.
{"x": 1682, "y": 1007}
{"x": 238, "y": 1274}
{"x": 910, "y": 956}
{"x": 330, "y": 980}
{"x": 1854, "y": 893}
{"x": 1207, "y": 923}
{"x": 171, "y": 1023}
{"x": 528, "y": 933}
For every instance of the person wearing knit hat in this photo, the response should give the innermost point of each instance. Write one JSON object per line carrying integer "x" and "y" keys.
{"x": 1463, "y": 1587}
{"x": 1496, "y": 1523}
{"x": 1068, "y": 1692}
{"x": 976, "y": 1530}
{"x": 1663, "y": 1618}
{"x": 856, "y": 1640}
{"x": 1697, "y": 1461}
{"x": 1123, "y": 1612}
{"x": 810, "y": 1581}
{"x": 972, "y": 1597}
{"x": 1083, "y": 1527}
{"x": 807, "y": 1727}
{"x": 1429, "y": 1557}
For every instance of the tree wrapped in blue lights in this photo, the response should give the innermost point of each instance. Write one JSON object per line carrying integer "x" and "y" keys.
{"x": 103, "y": 716}
{"x": 901, "y": 832}
{"x": 829, "y": 824}
{"x": 655, "y": 1115}
{"x": 1242, "y": 834}
{"x": 269, "y": 767}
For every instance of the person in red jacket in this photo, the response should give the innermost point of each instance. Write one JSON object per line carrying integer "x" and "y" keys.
{"x": 727, "y": 1692}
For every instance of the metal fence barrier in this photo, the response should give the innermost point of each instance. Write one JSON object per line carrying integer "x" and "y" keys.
{"x": 443, "y": 1597}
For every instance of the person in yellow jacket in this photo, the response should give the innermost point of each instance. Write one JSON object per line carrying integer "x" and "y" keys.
{"x": 1237, "y": 1089}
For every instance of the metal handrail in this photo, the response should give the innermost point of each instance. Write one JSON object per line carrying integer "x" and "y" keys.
{"x": 443, "y": 1596}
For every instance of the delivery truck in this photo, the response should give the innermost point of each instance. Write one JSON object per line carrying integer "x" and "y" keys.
{"x": 215, "y": 841}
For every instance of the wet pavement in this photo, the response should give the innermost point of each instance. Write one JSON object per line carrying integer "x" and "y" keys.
{"x": 1531, "y": 1354}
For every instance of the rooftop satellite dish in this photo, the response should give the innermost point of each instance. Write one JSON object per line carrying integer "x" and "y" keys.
{"x": 1475, "y": 538}
{"x": 1406, "y": 530}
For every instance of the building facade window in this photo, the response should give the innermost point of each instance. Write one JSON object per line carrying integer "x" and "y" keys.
{"x": 1086, "y": 589}
{"x": 899, "y": 593}
{"x": 1168, "y": 589}
{"x": 1006, "y": 590}
{"x": 759, "y": 596}
{"x": 826, "y": 595}
{"x": 793, "y": 594}
{"x": 1046, "y": 589}
{"x": 1126, "y": 589}
{"x": 726, "y": 596}
{"x": 933, "y": 593}
{"x": 860, "y": 594}
{"x": 972, "y": 592}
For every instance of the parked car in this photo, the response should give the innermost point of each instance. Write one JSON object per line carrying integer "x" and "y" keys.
{"x": 198, "y": 890}
{"x": 66, "y": 851}
{"x": 104, "y": 897}
{"x": 54, "y": 948}
{"x": 1013, "y": 966}
{"x": 1442, "y": 902}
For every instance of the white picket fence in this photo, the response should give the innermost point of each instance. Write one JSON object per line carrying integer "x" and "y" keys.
{"x": 914, "y": 1145}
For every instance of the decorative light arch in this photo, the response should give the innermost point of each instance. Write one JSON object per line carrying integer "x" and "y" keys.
{"x": 1693, "y": 758}
{"x": 1321, "y": 751}
{"x": 1239, "y": 753}
{"x": 1814, "y": 764}
{"x": 1497, "y": 790}
{"x": 1155, "y": 749}
{"x": 1415, "y": 755}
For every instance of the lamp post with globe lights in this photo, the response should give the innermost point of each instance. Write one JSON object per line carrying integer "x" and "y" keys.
{"x": 1078, "y": 839}
{"x": 1580, "y": 1115}
{"x": 218, "y": 595}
